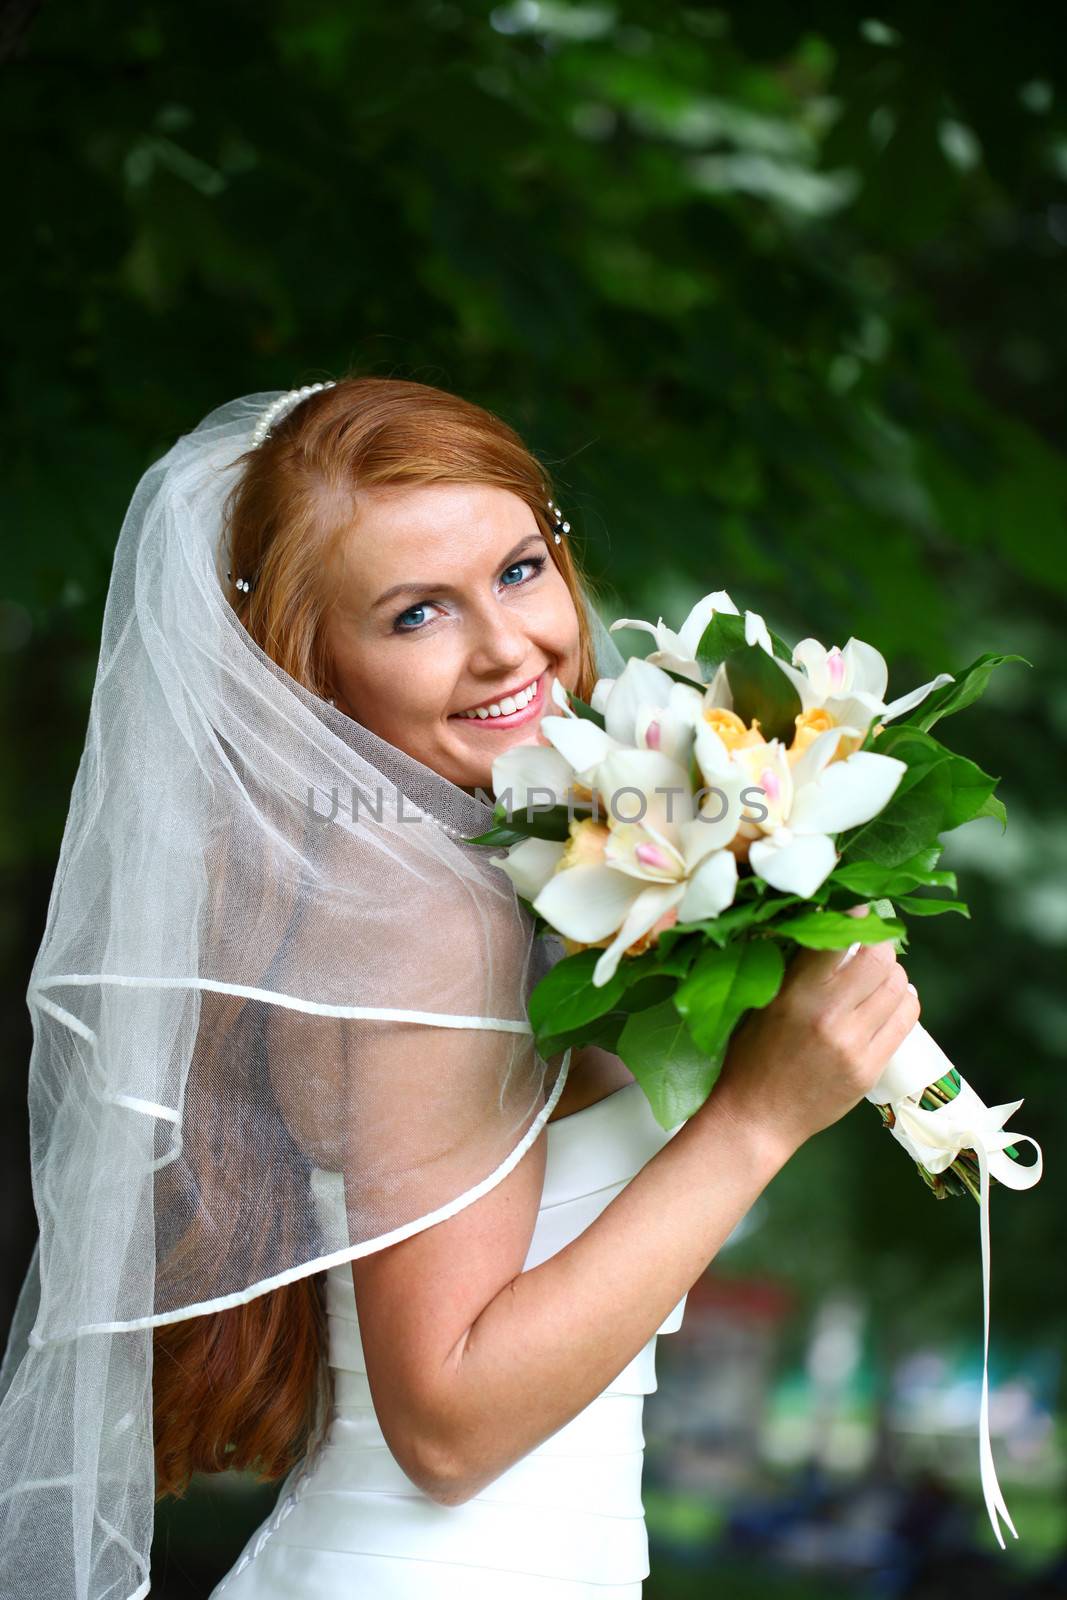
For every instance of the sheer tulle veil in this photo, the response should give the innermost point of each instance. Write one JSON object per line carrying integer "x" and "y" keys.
{"x": 232, "y": 991}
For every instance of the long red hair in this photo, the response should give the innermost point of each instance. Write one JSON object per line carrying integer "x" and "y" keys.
{"x": 247, "y": 1388}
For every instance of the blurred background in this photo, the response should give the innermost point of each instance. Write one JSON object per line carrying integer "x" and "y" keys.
{"x": 780, "y": 294}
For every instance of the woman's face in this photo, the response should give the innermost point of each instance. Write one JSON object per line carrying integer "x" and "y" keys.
{"x": 447, "y": 600}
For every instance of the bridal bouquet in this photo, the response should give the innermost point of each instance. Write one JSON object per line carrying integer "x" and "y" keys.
{"x": 723, "y": 802}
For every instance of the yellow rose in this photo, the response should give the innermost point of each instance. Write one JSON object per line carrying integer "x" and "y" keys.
{"x": 585, "y": 847}
{"x": 731, "y": 730}
{"x": 809, "y": 725}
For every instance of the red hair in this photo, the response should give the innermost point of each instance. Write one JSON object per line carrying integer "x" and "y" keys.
{"x": 247, "y": 1387}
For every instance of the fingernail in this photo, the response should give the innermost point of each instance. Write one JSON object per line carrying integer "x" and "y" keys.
{"x": 913, "y": 989}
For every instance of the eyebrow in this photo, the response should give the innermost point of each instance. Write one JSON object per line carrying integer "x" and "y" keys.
{"x": 445, "y": 588}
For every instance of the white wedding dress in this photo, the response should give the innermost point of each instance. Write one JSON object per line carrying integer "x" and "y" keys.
{"x": 566, "y": 1522}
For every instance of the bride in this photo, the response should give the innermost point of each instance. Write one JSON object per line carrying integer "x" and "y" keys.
{"x": 311, "y": 1204}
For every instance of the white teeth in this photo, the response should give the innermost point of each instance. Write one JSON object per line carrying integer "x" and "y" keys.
{"x": 505, "y": 707}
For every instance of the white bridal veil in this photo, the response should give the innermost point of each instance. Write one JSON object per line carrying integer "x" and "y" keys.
{"x": 235, "y": 988}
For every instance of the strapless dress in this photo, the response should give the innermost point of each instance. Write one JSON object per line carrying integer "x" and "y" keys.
{"x": 566, "y": 1522}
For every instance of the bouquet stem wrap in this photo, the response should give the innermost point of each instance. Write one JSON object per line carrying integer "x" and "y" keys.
{"x": 935, "y": 1139}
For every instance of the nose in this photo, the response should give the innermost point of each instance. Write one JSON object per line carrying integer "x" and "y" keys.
{"x": 499, "y": 644}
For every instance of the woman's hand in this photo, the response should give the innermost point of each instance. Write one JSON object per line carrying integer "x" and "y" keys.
{"x": 802, "y": 1062}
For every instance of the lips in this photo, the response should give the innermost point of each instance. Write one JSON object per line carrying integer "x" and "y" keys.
{"x": 482, "y": 717}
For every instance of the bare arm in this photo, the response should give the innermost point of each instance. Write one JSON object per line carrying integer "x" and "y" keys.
{"x": 559, "y": 1334}
{"x": 473, "y": 1362}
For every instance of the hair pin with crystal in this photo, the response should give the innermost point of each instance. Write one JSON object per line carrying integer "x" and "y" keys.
{"x": 561, "y": 527}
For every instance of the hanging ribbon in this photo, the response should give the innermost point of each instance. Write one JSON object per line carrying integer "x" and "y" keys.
{"x": 934, "y": 1139}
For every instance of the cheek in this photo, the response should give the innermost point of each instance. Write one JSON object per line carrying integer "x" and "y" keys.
{"x": 558, "y": 620}
{"x": 392, "y": 692}
{"x": 413, "y": 692}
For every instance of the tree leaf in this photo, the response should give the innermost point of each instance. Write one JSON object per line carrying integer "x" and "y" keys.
{"x": 920, "y": 906}
{"x": 675, "y": 1074}
{"x": 968, "y": 685}
{"x": 760, "y": 689}
{"x": 836, "y": 930}
{"x": 725, "y": 983}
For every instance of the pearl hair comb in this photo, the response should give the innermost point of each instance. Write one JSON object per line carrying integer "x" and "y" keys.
{"x": 281, "y": 407}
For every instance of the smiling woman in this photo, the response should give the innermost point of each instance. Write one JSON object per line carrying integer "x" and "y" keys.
{"x": 296, "y": 1213}
{"x": 403, "y": 541}
{"x": 490, "y": 623}
{"x": 268, "y": 1046}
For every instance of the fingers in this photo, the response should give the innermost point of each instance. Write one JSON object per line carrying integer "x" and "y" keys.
{"x": 852, "y": 978}
{"x": 897, "y": 1025}
{"x": 848, "y": 981}
{"x": 879, "y": 1005}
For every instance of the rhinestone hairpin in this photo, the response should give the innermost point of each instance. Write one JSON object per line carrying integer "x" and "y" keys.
{"x": 561, "y": 527}
{"x": 281, "y": 407}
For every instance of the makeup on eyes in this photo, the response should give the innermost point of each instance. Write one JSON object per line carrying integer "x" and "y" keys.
{"x": 536, "y": 562}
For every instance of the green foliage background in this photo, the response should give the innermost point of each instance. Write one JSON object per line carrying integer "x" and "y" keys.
{"x": 778, "y": 291}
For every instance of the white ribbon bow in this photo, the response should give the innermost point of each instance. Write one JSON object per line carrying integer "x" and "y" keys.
{"x": 934, "y": 1139}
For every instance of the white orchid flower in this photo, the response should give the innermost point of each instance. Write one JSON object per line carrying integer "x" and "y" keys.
{"x": 671, "y": 858}
{"x": 530, "y": 863}
{"x": 677, "y": 651}
{"x": 530, "y": 773}
{"x": 807, "y": 802}
{"x": 648, "y": 710}
{"x": 601, "y": 689}
{"x": 644, "y": 709}
{"x": 850, "y": 684}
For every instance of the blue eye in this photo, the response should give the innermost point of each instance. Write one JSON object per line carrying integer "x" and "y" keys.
{"x": 404, "y": 614}
{"x": 536, "y": 562}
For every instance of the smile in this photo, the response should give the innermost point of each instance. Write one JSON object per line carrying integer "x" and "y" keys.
{"x": 517, "y": 706}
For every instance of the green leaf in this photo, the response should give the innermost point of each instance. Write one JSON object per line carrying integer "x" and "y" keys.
{"x": 566, "y": 997}
{"x": 724, "y": 634}
{"x": 919, "y": 809}
{"x": 760, "y": 689}
{"x": 648, "y": 991}
{"x": 934, "y": 773}
{"x": 908, "y": 824}
{"x": 497, "y": 835}
{"x": 552, "y": 823}
{"x": 582, "y": 709}
{"x": 725, "y": 983}
{"x": 681, "y": 677}
{"x": 992, "y": 807}
{"x": 603, "y": 1031}
{"x": 971, "y": 790}
{"x": 677, "y": 955}
{"x": 836, "y": 930}
{"x": 675, "y": 1074}
{"x": 870, "y": 879}
{"x": 728, "y": 924}
{"x": 968, "y": 685}
{"x": 920, "y": 906}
